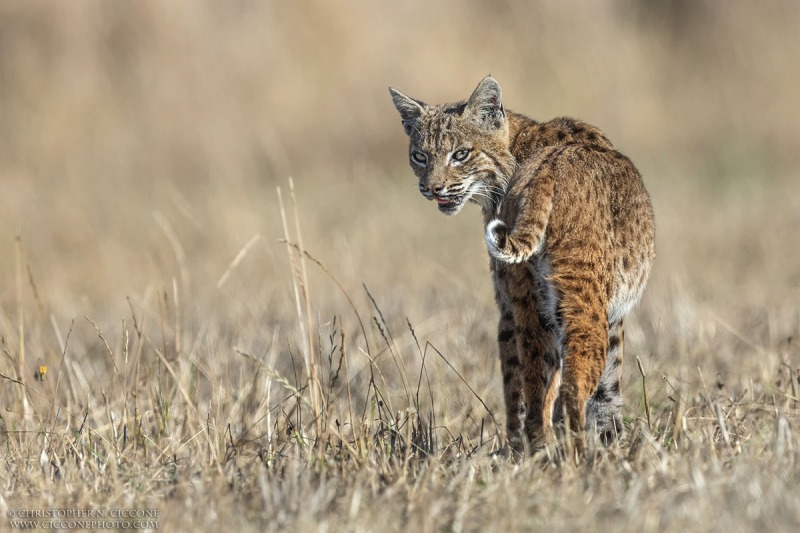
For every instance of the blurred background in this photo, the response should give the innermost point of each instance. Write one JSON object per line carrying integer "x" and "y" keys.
{"x": 141, "y": 148}
{"x": 141, "y": 144}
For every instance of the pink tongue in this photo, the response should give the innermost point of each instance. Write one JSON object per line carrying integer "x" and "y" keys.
{"x": 442, "y": 201}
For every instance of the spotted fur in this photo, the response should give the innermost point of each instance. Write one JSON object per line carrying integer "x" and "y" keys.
{"x": 570, "y": 233}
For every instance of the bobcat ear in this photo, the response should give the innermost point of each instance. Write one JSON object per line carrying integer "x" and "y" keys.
{"x": 486, "y": 104}
{"x": 410, "y": 109}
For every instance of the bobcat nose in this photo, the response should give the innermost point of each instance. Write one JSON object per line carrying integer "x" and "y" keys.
{"x": 437, "y": 188}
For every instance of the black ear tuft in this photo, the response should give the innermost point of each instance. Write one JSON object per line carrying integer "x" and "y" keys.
{"x": 409, "y": 108}
{"x": 486, "y": 104}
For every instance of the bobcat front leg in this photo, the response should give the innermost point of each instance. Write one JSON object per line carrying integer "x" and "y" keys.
{"x": 518, "y": 232}
{"x": 511, "y": 367}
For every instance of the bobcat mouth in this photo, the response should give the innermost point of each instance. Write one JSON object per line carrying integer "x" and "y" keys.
{"x": 449, "y": 203}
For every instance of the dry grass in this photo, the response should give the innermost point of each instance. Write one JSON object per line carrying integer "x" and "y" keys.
{"x": 140, "y": 150}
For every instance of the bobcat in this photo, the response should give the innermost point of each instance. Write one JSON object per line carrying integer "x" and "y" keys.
{"x": 570, "y": 232}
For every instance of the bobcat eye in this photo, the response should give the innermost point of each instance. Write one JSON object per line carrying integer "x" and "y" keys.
{"x": 460, "y": 155}
{"x": 419, "y": 158}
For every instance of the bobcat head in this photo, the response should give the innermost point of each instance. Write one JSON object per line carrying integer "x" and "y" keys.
{"x": 459, "y": 152}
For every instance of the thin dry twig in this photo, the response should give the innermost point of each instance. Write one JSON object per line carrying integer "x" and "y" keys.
{"x": 237, "y": 260}
{"x": 644, "y": 393}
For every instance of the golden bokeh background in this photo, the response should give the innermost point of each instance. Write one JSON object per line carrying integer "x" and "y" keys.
{"x": 111, "y": 111}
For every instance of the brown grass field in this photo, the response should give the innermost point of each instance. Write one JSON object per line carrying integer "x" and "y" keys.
{"x": 198, "y": 366}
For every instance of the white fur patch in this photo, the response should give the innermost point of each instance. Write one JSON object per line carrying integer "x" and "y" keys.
{"x": 627, "y": 293}
{"x": 492, "y": 242}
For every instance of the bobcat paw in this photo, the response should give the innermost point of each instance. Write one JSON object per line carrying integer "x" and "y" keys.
{"x": 497, "y": 242}
{"x": 496, "y": 236}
